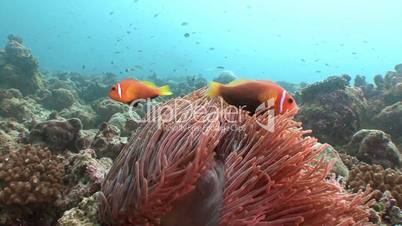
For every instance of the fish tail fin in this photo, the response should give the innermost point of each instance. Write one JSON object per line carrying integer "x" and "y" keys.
{"x": 214, "y": 89}
{"x": 165, "y": 91}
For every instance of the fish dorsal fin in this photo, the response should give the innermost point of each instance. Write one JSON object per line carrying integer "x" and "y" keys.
{"x": 237, "y": 82}
{"x": 269, "y": 94}
{"x": 148, "y": 83}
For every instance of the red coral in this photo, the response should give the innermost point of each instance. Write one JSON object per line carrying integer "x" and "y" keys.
{"x": 220, "y": 171}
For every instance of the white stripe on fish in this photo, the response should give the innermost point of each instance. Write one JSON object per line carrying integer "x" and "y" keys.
{"x": 119, "y": 91}
{"x": 282, "y": 103}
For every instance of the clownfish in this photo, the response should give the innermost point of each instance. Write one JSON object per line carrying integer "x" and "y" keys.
{"x": 130, "y": 90}
{"x": 251, "y": 94}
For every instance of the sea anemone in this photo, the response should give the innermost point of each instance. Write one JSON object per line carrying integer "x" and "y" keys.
{"x": 221, "y": 166}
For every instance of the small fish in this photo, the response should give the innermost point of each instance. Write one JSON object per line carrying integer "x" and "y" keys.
{"x": 318, "y": 71}
{"x": 83, "y": 67}
{"x": 212, "y": 48}
{"x": 197, "y": 43}
{"x": 130, "y": 90}
{"x": 184, "y": 24}
{"x": 156, "y": 15}
{"x": 354, "y": 53}
{"x": 220, "y": 67}
{"x": 186, "y": 35}
{"x": 303, "y": 60}
{"x": 111, "y": 62}
{"x": 111, "y": 13}
{"x": 250, "y": 94}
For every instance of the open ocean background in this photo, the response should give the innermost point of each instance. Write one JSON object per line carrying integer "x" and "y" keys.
{"x": 286, "y": 40}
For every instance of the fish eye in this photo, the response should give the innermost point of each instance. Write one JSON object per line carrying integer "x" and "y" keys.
{"x": 290, "y": 101}
{"x": 113, "y": 88}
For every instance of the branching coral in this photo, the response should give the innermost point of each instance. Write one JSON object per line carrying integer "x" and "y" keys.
{"x": 30, "y": 176}
{"x": 208, "y": 171}
{"x": 378, "y": 178}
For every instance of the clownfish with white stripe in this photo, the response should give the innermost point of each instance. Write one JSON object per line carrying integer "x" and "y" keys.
{"x": 251, "y": 94}
{"x": 130, "y": 90}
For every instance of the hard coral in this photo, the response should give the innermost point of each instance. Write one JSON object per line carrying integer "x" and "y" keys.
{"x": 332, "y": 83}
{"x": 224, "y": 171}
{"x": 20, "y": 69}
{"x": 107, "y": 142}
{"x": 378, "y": 178}
{"x": 374, "y": 147}
{"x": 59, "y": 99}
{"x": 334, "y": 116}
{"x": 85, "y": 174}
{"x": 85, "y": 214}
{"x": 106, "y": 108}
{"x": 389, "y": 119}
{"x": 30, "y": 176}
{"x": 58, "y": 135}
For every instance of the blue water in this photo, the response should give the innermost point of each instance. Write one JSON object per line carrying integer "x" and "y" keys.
{"x": 279, "y": 40}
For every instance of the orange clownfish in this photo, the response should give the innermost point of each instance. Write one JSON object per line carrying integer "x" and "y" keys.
{"x": 130, "y": 90}
{"x": 251, "y": 94}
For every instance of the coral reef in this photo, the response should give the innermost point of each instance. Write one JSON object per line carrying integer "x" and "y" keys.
{"x": 58, "y": 135}
{"x": 85, "y": 113}
{"x": 13, "y": 105}
{"x": 20, "y": 69}
{"x": 389, "y": 119}
{"x": 225, "y": 77}
{"x": 332, "y": 110}
{"x": 85, "y": 174}
{"x": 386, "y": 206}
{"x": 106, "y": 108}
{"x": 329, "y": 85}
{"x": 374, "y": 147}
{"x": 107, "y": 142}
{"x": 85, "y": 214}
{"x": 243, "y": 176}
{"x": 330, "y": 155}
{"x": 378, "y": 178}
{"x": 30, "y": 176}
{"x": 182, "y": 85}
{"x": 59, "y": 99}
{"x": 31, "y": 181}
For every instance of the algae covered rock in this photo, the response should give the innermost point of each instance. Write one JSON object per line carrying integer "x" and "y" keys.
{"x": 106, "y": 108}
{"x": 59, "y": 99}
{"x": 85, "y": 175}
{"x": 329, "y": 85}
{"x": 333, "y": 110}
{"x": 374, "y": 147}
{"x": 19, "y": 108}
{"x": 20, "y": 69}
{"x": 107, "y": 142}
{"x": 83, "y": 112}
{"x": 390, "y": 119}
{"x": 85, "y": 214}
{"x": 58, "y": 135}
